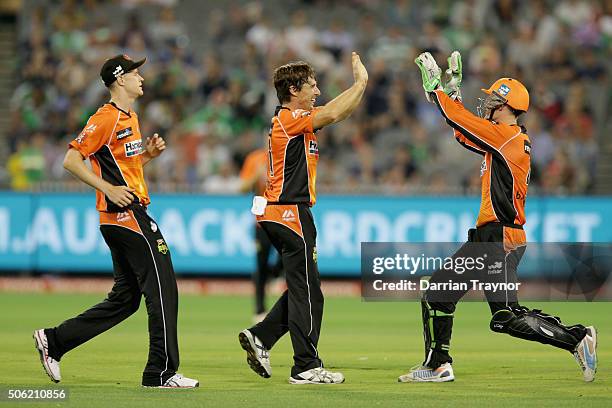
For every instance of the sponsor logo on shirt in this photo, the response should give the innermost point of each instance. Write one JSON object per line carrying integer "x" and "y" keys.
{"x": 527, "y": 147}
{"x": 123, "y": 216}
{"x": 313, "y": 148}
{"x": 483, "y": 167}
{"x": 124, "y": 133}
{"x": 133, "y": 148}
{"x": 87, "y": 131}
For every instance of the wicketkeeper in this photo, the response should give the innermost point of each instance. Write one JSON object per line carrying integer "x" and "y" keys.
{"x": 505, "y": 170}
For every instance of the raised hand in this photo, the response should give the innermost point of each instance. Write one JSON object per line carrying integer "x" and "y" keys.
{"x": 155, "y": 145}
{"x": 360, "y": 74}
{"x": 430, "y": 73}
{"x": 454, "y": 76}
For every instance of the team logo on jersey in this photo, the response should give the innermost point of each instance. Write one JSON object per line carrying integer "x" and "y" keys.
{"x": 483, "y": 167}
{"x": 313, "y": 148}
{"x": 315, "y": 255}
{"x": 300, "y": 113}
{"x": 527, "y": 147}
{"x": 503, "y": 90}
{"x": 288, "y": 216}
{"x": 124, "y": 133}
{"x": 133, "y": 148}
{"x": 162, "y": 248}
{"x": 123, "y": 216}
{"x": 87, "y": 131}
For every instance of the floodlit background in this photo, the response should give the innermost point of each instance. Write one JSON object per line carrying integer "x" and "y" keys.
{"x": 391, "y": 172}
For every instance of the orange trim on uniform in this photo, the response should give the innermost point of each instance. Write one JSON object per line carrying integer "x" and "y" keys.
{"x": 124, "y": 219}
{"x": 514, "y": 238}
{"x": 284, "y": 214}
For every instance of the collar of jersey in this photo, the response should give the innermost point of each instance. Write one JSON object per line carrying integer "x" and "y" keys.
{"x": 116, "y": 107}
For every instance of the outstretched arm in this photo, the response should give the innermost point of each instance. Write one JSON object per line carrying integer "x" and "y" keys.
{"x": 344, "y": 104}
{"x": 480, "y": 132}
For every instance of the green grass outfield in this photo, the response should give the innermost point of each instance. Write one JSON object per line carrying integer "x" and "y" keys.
{"x": 372, "y": 343}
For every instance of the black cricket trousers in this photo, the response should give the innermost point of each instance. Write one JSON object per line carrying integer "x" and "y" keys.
{"x": 142, "y": 266}
{"x": 265, "y": 271}
{"x": 300, "y": 308}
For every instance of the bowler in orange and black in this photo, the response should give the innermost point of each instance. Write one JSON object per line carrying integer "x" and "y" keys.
{"x": 293, "y": 153}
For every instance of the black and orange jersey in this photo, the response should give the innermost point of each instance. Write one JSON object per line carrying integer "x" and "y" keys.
{"x": 505, "y": 169}
{"x": 112, "y": 142}
{"x": 293, "y": 156}
{"x": 255, "y": 165}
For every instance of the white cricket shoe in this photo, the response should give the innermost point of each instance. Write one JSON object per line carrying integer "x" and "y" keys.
{"x": 177, "y": 381}
{"x": 585, "y": 354}
{"x": 258, "y": 356}
{"x": 443, "y": 373}
{"x": 317, "y": 375}
{"x": 51, "y": 366}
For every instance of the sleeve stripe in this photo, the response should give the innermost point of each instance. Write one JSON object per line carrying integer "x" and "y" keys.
{"x": 284, "y": 131}
{"x": 472, "y": 137}
{"x": 471, "y": 148}
{"x": 110, "y": 137}
{"x": 506, "y": 142}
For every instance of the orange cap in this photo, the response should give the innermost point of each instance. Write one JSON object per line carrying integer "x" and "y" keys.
{"x": 515, "y": 93}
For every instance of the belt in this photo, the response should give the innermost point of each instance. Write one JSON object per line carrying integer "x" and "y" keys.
{"x": 503, "y": 224}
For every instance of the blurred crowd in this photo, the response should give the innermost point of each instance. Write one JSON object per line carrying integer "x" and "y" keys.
{"x": 208, "y": 87}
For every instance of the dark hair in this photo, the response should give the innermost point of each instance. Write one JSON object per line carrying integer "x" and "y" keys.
{"x": 292, "y": 74}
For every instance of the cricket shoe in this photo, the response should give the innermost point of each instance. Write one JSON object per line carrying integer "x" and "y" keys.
{"x": 585, "y": 354}
{"x": 443, "y": 373}
{"x": 258, "y": 355}
{"x": 51, "y": 366}
{"x": 177, "y": 381}
{"x": 317, "y": 375}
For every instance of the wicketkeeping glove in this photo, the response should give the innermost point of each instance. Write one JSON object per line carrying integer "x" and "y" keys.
{"x": 430, "y": 73}
{"x": 454, "y": 75}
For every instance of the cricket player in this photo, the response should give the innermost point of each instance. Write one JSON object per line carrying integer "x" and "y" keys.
{"x": 505, "y": 170}
{"x": 284, "y": 214}
{"x": 141, "y": 258}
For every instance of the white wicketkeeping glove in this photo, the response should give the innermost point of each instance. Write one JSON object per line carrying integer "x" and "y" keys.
{"x": 454, "y": 75}
{"x": 430, "y": 73}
